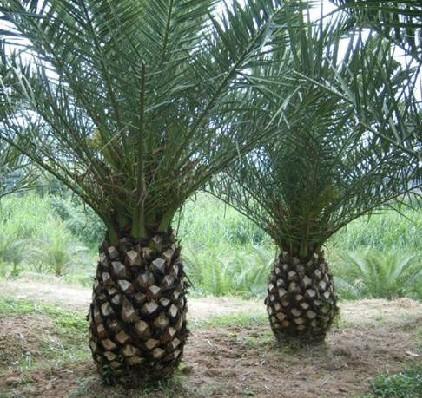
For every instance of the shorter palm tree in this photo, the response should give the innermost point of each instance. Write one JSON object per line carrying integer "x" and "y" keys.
{"x": 325, "y": 168}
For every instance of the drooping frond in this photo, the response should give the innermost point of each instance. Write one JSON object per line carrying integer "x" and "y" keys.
{"x": 16, "y": 173}
{"x": 399, "y": 21}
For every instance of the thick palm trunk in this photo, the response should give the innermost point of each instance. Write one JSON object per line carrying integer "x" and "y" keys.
{"x": 301, "y": 301}
{"x": 138, "y": 313}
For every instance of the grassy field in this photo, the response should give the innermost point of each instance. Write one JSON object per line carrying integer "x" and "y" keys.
{"x": 225, "y": 253}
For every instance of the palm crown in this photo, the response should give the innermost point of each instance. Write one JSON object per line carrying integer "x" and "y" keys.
{"x": 333, "y": 158}
{"x": 128, "y": 102}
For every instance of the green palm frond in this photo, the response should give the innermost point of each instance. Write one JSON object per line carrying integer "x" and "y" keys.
{"x": 130, "y": 103}
{"x": 16, "y": 174}
{"x": 399, "y": 21}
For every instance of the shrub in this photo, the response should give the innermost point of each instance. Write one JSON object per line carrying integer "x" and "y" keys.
{"x": 80, "y": 220}
{"x": 233, "y": 271}
{"x": 406, "y": 384}
{"x": 379, "y": 275}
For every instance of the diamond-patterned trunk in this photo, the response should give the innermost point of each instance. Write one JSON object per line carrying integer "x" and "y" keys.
{"x": 137, "y": 317}
{"x": 301, "y": 300}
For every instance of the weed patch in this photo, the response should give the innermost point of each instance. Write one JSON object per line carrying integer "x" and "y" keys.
{"x": 406, "y": 384}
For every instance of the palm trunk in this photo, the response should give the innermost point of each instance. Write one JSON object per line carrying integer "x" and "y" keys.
{"x": 301, "y": 301}
{"x": 138, "y": 313}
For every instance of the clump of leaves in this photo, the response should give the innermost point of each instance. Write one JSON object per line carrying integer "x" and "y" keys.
{"x": 380, "y": 275}
{"x": 406, "y": 384}
{"x": 56, "y": 251}
{"x": 229, "y": 272}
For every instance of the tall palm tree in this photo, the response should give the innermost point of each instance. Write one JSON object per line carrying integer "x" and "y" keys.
{"x": 325, "y": 167}
{"x": 128, "y": 103}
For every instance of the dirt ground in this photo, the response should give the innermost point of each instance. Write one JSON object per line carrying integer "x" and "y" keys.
{"x": 372, "y": 337}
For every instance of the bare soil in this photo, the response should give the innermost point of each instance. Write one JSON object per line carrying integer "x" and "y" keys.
{"x": 372, "y": 337}
{"x": 20, "y": 337}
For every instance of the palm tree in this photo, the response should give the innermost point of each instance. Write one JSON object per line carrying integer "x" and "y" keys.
{"x": 325, "y": 167}
{"x": 128, "y": 103}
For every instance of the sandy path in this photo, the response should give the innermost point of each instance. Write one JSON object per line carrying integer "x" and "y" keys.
{"x": 363, "y": 312}
{"x": 78, "y": 298}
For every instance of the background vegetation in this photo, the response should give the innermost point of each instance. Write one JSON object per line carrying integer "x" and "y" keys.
{"x": 49, "y": 233}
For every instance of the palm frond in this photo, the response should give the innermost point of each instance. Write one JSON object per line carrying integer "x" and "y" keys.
{"x": 398, "y": 21}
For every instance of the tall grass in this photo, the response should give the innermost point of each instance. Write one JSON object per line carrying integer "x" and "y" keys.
{"x": 385, "y": 231}
{"x": 224, "y": 252}
{"x": 379, "y": 256}
{"x": 207, "y": 222}
{"x": 33, "y": 238}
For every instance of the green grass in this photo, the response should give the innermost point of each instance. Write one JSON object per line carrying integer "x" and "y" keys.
{"x": 164, "y": 389}
{"x": 262, "y": 339}
{"x": 67, "y": 340}
{"x": 207, "y": 222}
{"x": 385, "y": 231}
{"x": 68, "y": 321}
{"x": 406, "y": 384}
{"x": 242, "y": 320}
